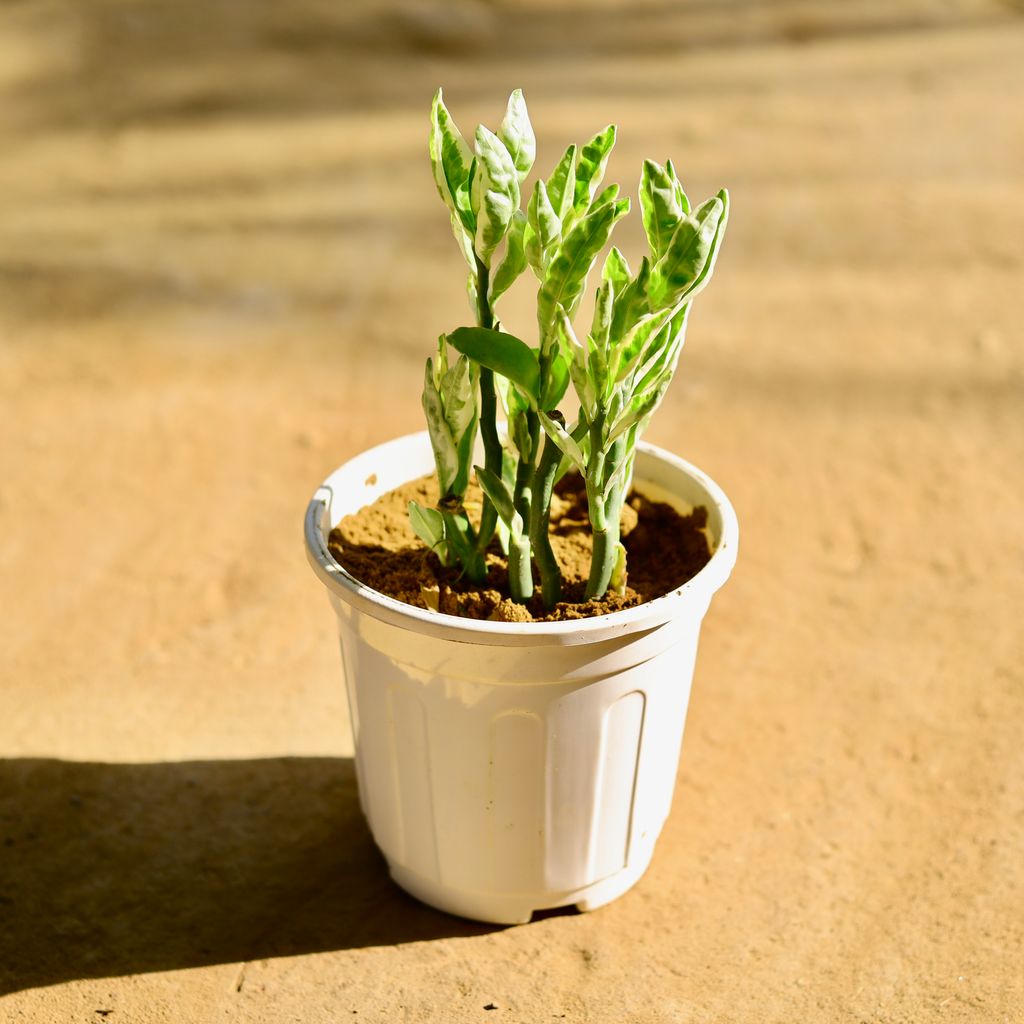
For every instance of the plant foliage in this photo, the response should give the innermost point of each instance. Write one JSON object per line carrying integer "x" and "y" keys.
{"x": 620, "y": 369}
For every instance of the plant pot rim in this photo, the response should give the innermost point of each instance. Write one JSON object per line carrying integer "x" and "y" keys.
{"x": 648, "y": 615}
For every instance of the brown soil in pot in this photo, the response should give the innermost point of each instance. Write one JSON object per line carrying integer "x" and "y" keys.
{"x": 663, "y": 550}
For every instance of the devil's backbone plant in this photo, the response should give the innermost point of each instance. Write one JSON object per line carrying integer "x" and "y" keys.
{"x": 619, "y": 370}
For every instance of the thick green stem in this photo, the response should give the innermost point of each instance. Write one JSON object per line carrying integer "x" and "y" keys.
{"x": 606, "y": 545}
{"x": 525, "y": 467}
{"x": 540, "y": 515}
{"x": 604, "y": 506}
{"x": 488, "y": 411}
{"x": 520, "y": 570}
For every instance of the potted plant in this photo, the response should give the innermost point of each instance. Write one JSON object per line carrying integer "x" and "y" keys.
{"x": 510, "y": 766}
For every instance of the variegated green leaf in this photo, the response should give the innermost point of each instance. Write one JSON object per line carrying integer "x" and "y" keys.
{"x": 428, "y": 524}
{"x": 450, "y": 159}
{"x": 566, "y": 278}
{"x": 659, "y": 207}
{"x": 639, "y": 414}
{"x": 580, "y": 370}
{"x": 615, "y": 270}
{"x": 633, "y": 348}
{"x": 562, "y": 183}
{"x": 607, "y": 195}
{"x": 603, "y": 309}
{"x": 495, "y": 489}
{"x": 443, "y": 444}
{"x": 660, "y": 363}
{"x": 465, "y": 240}
{"x": 516, "y": 133}
{"x": 622, "y": 475}
{"x": 514, "y": 262}
{"x": 677, "y": 187}
{"x": 495, "y": 192}
{"x": 592, "y": 163}
{"x": 565, "y": 442}
{"x": 616, "y": 403}
{"x": 546, "y": 228}
{"x": 458, "y": 396}
{"x": 689, "y": 260}
{"x": 631, "y": 301}
{"x": 556, "y": 382}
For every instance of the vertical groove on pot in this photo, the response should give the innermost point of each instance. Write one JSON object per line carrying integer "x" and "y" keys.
{"x": 621, "y": 740}
{"x": 413, "y": 787}
{"x": 514, "y": 807}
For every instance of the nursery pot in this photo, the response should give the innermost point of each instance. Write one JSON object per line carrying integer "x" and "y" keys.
{"x": 503, "y": 767}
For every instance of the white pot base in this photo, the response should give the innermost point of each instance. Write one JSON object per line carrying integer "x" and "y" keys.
{"x": 519, "y": 908}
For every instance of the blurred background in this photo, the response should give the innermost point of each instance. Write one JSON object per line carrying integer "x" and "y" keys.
{"x": 222, "y": 264}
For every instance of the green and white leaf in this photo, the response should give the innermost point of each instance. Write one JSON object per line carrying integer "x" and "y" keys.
{"x": 446, "y": 457}
{"x": 546, "y": 229}
{"x": 465, "y": 240}
{"x": 634, "y": 346}
{"x": 590, "y": 170}
{"x": 458, "y": 396}
{"x": 659, "y": 206}
{"x": 562, "y": 183}
{"x": 640, "y": 411}
{"x": 495, "y": 192}
{"x": 606, "y": 195}
{"x": 516, "y": 133}
{"x": 501, "y": 498}
{"x": 555, "y": 383}
{"x": 428, "y": 524}
{"x": 688, "y": 261}
{"x": 564, "y": 440}
{"x": 631, "y": 301}
{"x": 514, "y": 262}
{"x": 451, "y": 161}
{"x": 566, "y": 278}
{"x": 677, "y": 186}
{"x": 579, "y": 365}
{"x": 604, "y": 306}
{"x": 615, "y": 270}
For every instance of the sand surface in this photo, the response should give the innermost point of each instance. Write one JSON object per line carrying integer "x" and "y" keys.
{"x": 222, "y": 262}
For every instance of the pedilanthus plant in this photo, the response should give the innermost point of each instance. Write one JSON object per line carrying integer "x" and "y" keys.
{"x": 619, "y": 373}
{"x": 623, "y": 369}
{"x": 481, "y": 190}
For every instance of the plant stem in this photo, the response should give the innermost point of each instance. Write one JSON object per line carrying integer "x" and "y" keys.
{"x": 524, "y": 468}
{"x": 604, "y": 508}
{"x": 540, "y": 515}
{"x": 602, "y": 563}
{"x": 488, "y": 410}
{"x": 520, "y": 570}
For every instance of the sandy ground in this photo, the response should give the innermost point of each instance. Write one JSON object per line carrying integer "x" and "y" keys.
{"x": 222, "y": 262}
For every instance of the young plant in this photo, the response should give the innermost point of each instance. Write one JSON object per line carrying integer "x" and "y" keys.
{"x": 568, "y": 223}
{"x": 481, "y": 191}
{"x": 620, "y": 373}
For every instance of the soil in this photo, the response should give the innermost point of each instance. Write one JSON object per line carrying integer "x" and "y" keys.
{"x": 377, "y": 545}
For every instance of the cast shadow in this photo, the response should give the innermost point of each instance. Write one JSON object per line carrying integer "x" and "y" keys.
{"x": 112, "y": 869}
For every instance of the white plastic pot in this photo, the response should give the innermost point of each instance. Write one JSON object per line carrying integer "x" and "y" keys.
{"x": 507, "y": 767}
